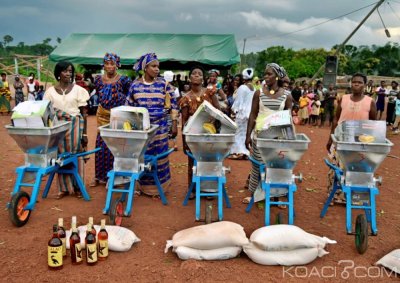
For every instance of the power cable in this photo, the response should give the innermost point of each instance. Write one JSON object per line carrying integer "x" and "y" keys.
{"x": 321, "y": 23}
{"x": 393, "y": 11}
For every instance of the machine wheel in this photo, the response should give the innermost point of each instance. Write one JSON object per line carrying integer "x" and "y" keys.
{"x": 279, "y": 218}
{"x": 116, "y": 212}
{"x": 208, "y": 214}
{"x": 18, "y": 215}
{"x": 361, "y": 238}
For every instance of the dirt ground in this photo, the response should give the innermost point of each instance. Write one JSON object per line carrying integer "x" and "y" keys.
{"x": 23, "y": 251}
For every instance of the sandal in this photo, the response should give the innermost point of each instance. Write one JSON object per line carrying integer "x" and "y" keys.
{"x": 282, "y": 206}
{"x": 60, "y": 195}
{"x": 246, "y": 200}
{"x": 94, "y": 183}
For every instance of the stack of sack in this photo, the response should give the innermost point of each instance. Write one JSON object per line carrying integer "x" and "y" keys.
{"x": 216, "y": 241}
{"x": 285, "y": 245}
{"x": 120, "y": 239}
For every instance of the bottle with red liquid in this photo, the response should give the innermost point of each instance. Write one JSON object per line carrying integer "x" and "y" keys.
{"x": 75, "y": 244}
{"x": 102, "y": 238}
{"x": 62, "y": 235}
{"x": 54, "y": 251}
{"x": 91, "y": 246}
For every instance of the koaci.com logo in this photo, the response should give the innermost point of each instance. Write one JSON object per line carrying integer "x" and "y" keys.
{"x": 345, "y": 269}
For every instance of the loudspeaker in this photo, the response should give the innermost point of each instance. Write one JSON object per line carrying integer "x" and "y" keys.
{"x": 330, "y": 74}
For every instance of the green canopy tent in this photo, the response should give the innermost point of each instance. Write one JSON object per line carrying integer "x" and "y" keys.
{"x": 174, "y": 51}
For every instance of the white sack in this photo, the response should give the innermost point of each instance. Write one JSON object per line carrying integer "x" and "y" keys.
{"x": 120, "y": 239}
{"x": 186, "y": 253}
{"x": 391, "y": 261}
{"x": 286, "y": 237}
{"x": 287, "y": 258}
{"x": 211, "y": 236}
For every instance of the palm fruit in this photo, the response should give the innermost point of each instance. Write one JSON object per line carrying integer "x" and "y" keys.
{"x": 210, "y": 128}
{"x": 366, "y": 138}
{"x": 127, "y": 126}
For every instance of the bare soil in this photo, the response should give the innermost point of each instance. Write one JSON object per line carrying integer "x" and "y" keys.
{"x": 23, "y": 251}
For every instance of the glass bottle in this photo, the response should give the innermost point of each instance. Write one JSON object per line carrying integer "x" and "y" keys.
{"x": 102, "y": 238}
{"x": 75, "y": 244}
{"x": 62, "y": 235}
{"x": 91, "y": 247}
{"x": 94, "y": 232}
{"x": 54, "y": 251}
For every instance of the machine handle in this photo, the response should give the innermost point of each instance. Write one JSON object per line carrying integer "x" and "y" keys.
{"x": 298, "y": 177}
{"x": 378, "y": 180}
{"x": 226, "y": 169}
{"x": 146, "y": 166}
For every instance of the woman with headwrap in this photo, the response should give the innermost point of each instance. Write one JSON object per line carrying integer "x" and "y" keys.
{"x": 112, "y": 90}
{"x": 268, "y": 100}
{"x": 70, "y": 101}
{"x": 152, "y": 92}
{"x": 5, "y": 95}
{"x": 213, "y": 83}
{"x": 241, "y": 108}
{"x": 189, "y": 104}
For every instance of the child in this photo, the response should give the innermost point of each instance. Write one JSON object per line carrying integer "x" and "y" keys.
{"x": 303, "y": 111}
{"x": 315, "y": 105}
{"x": 40, "y": 93}
{"x": 295, "y": 117}
{"x": 397, "y": 111}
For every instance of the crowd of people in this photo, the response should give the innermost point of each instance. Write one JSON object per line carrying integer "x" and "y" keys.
{"x": 242, "y": 97}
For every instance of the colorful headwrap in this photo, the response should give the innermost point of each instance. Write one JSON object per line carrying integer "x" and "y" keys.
{"x": 213, "y": 71}
{"x": 144, "y": 61}
{"x": 112, "y": 57}
{"x": 280, "y": 71}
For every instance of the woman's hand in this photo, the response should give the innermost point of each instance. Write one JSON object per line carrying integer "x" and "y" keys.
{"x": 174, "y": 129}
{"x": 329, "y": 144}
{"x": 248, "y": 143}
{"x": 84, "y": 141}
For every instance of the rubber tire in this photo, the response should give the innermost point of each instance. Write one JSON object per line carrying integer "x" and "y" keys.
{"x": 18, "y": 216}
{"x": 209, "y": 212}
{"x": 361, "y": 234}
{"x": 279, "y": 218}
{"x": 116, "y": 212}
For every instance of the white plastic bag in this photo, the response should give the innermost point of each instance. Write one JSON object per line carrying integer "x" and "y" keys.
{"x": 186, "y": 253}
{"x": 211, "y": 236}
{"x": 120, "y": 239}
{"x": 287, "y": 258}
{"x": 286, "y": 237}
{"x": 391, "y": 261}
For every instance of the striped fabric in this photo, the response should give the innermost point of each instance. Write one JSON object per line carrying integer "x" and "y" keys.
{"x": 152, "y": 97}
{"x": 274, "y": 104}
{"x": 72, "y": 144}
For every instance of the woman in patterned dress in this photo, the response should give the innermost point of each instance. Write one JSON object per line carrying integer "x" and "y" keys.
{"x": 150, "y": 91}
{"x": 189, "y": 104}
{"x": 270, "y": 99}
{"x": 111, "y": 89}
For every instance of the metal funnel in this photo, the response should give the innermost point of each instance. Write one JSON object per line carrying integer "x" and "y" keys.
{"x": 282, "y": 154}
{"x": 39, "y": 144}
{"x": 128, "y": 147}
{"x": 361, "y": 157}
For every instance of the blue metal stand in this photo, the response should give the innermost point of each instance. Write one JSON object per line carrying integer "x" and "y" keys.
{"x": 291, "y": 188}
{"x": 128, "y": 191}
{"x": 220, "y": 191}
{"x": 66, "y": 163}
{"x": 370, "y": 210}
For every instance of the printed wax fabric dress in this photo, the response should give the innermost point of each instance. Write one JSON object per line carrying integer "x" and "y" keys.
{"x": 110, "y": 95}
{"x": 152, "y": 96}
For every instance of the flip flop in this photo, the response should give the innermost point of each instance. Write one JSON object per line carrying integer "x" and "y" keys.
{"x": 246, "y": 200}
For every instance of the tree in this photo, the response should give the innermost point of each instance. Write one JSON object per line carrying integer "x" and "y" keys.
{"x": 47, "y": 41}
{"x": 7, "y": 39}
{"x": 58, "y": 40}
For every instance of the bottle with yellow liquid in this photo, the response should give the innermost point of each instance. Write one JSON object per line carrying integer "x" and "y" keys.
{"x": 102, "y": 238}
{"x": 54, "y": 251}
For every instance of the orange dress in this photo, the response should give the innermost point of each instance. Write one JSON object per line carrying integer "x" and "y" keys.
{"x": 354, "y": 110}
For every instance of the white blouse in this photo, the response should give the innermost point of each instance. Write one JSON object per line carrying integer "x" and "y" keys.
{"x": 70, "y": 102}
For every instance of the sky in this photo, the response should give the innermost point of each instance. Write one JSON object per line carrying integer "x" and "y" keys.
{"x": 260, "y": 23}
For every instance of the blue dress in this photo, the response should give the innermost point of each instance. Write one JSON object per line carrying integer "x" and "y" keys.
{"x": 110, "y": 95}
{"x": 152, "y": 97}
